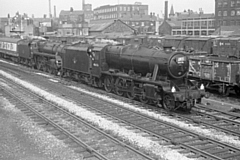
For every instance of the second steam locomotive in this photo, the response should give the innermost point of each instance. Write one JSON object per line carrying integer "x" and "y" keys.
{"x": 150, "y": 75}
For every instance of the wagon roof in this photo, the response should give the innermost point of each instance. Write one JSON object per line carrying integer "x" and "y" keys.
{"x": 224, "y": 59}
{"x": 11, "y": 40}
{"x": 228, "y": 38}
{"x": 174, "y": 37}
{"x": 199, "y": 38}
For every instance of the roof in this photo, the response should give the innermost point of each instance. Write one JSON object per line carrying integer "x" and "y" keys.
{"x": 196, "y": 15}
{"x": 139, "y": 17}
{"x": 42, "y": 19}
{"x": 10, "y": 40}
{"x": 100, "y": 26}
{"x": 174, "y": 23}
{"x": 77, "y": 12}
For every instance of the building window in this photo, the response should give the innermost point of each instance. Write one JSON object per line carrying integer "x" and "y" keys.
{"x": 219, "y": 13}
{"x": 238, "y": 13}
{"x": 233, "y": 13}
{"x": 184, "y": 24}
{"x": 190, "y": 32}
{"x": 178, "y": 32}
{"x": 225, "y": 4}
{"x": 224, "y": 23}
{"x": 196, "y": 24}
{"x": 196, "y": 33}
{"x": 204, "y": 33}
{"x": 224, "y": 13}
{"x": 211, "y": 23}
{"x": 238, "y": 23}
{"x": 204, "y": 23}
{"x": 238, "y": 3}
{"x": 232, "y": 3}
{"x": 233, "y": 23}
{"x": 219, "y": 4}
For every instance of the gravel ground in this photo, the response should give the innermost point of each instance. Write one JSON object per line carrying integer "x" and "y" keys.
{"x": 22, "y": 139}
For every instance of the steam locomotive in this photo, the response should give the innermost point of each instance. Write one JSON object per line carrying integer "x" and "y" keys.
{"x": 137, "y": 72}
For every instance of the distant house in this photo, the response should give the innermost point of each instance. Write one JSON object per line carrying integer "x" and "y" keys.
{"x": 167, "y": 27}
{"x": 144, "y": 24}
{"x": 72, "y": 23}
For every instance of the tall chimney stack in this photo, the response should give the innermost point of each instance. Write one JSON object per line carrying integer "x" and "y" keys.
{"x": 83, "y": 5}
{"x": 50, "y": 13}
{"x": 166, "y": 11}
{"x": 55, "y": 12}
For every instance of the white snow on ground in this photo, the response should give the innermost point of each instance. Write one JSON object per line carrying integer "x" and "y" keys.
{"x": 48, "y": 144}
{"x": 53, "y": 80}
{"x": 3, "y": 83}
{"x": 211, "y": 133}
{"x": 7, "y": 105}
{"x": 129, "y": 135}
{"x": 8, "y": 62}
{"x": 42, "y": 74}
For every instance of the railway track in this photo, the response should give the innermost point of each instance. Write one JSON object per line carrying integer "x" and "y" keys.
{"x": 227, "y": 122}
{"x": 187, "y": 142}
{"x": 195, "y": 145}
{"x": 94, "y": 144}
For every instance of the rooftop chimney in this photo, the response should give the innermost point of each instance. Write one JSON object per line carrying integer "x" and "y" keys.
{"x": 50, "y": 13}
{"x": 83, "y": 5}
{"x": 55, "y": 12}
{"x": 166, "y": 11}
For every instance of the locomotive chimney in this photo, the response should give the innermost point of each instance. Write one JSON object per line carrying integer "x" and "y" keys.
{"x": 166, "y": 11}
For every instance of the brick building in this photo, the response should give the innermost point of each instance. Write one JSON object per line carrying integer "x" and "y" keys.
{"x": 227, "y": 12}
{"x": 187, "y": 23}
{"x": 119, "y": 10}
{"x": 72, "y": 23}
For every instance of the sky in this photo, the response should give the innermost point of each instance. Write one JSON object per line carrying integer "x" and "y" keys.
{"x": 40, "y": 7}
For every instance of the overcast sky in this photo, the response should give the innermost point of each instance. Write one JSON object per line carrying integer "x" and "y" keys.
{"x": 40, "y": 7}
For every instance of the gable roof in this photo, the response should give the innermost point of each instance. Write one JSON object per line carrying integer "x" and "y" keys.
{"x": 99, "y": 26}
{"x": 196, "y": 16}
{"x": 139, "y": 17}
{"x": 174, "y": 23}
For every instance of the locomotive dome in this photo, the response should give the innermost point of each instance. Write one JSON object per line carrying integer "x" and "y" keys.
{"x": 178, "y": 65}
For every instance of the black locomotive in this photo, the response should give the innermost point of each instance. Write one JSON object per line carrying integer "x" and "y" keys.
{"x": 150, "y": 75}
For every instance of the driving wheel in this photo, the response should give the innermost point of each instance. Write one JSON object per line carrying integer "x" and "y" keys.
{"x": 108, "y": 84}
{"x": 168, "y": 102}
